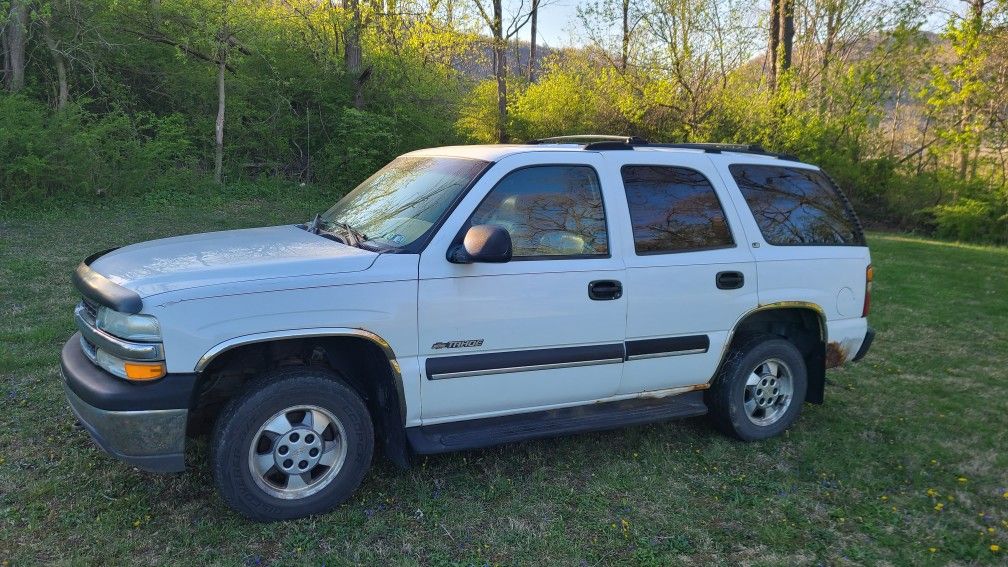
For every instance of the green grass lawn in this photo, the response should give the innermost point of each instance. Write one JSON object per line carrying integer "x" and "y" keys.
{"x": 907, "y": 462}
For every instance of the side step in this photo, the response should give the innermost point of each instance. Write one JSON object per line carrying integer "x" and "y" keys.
{"x": 479, "y": 433}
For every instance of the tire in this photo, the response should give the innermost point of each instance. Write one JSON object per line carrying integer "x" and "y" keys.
{"x": 753, "y": 411}
{"x": 283, "y": 414}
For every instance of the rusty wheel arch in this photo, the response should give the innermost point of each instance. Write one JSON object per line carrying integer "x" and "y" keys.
{"x": 815, "y": 350}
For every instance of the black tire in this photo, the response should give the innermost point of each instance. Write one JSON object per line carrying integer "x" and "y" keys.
{"x": 263, "y": 398}
{"x": 727, "y": 396}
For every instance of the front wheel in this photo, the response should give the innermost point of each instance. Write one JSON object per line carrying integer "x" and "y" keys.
{"x": 759, "y": 391}
{"x": 296, "y": 443}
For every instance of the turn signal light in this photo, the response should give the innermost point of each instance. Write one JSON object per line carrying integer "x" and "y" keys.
{"x": 143, "y": 371}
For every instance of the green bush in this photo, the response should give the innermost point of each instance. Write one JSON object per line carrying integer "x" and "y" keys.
{"x": 362, "y": 142}
{"x": 972, "y": 220}
{"x": 74, "y": 152}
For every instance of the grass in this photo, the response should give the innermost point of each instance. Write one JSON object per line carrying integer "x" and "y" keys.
{"x": 905, "y": 463}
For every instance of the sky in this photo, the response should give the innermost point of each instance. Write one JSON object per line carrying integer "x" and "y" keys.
{"x": 558, "y": 19}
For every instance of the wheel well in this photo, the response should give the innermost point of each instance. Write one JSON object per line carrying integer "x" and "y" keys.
{"x": 360, "y": 362}
{"x": 805, "y": 328}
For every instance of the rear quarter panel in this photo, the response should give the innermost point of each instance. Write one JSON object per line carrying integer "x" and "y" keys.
{"x": 830, "y": 277}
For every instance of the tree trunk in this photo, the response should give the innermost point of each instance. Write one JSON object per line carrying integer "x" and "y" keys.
{"x": 17, "y": 32}
{"x": 773, "y": 45}
{"x": 532, "y": 43}
{"x": 352, "y": 50}
{"x": 786, "y": 33}
{"x": 62, "y": 87}
{"x": 4, "y": 56}
{"x": 625, "y": 47}
{"x": 500, "y": 70}
{"x": 219, "y": 126}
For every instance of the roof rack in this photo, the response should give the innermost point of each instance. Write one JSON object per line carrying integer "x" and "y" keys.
{"x": 589, "y": 139}
{"x": 716, "y": 148}
{"x": 599, "y": 142}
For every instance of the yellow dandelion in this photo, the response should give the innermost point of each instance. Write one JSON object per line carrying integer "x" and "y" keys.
{"x": 938, "y": 507}
{"x": 995, "y": 547}
{"x": 962, "y": 479}
{"x": 932, "y": 492}
{"x": 934, "y": 462}
{"x": 884, "y": 498}
{"x": 991, "y": 530}
{"x": 1005, "y": 495}
{"x": 932, "y": 549}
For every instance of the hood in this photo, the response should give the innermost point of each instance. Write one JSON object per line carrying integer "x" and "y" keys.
{"x": 230, "y": 256}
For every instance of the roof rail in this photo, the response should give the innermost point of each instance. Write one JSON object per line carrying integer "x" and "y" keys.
{"x": 599, "y": 142}
{"x": 589, "y": 139}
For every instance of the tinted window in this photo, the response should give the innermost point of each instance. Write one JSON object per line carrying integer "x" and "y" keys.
{"x": 549, "y": 211}
{"x": 796, "y": 206}
{"x": 673, "y": 209}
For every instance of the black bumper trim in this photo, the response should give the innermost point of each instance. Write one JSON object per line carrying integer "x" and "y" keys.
{"x": 865, "y": 345}
{"x": 104, "y": 391}
{"x": 165, "y": 463}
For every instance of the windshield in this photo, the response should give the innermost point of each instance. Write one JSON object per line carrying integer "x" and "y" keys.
{"x": 402, "y": 201}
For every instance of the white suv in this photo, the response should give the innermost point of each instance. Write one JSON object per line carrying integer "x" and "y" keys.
{"x": 467, "y": 296}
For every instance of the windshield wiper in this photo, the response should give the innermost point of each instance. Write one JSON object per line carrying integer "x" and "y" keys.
{"x": 350, "y": 235}
{"x": 354, "y": 236}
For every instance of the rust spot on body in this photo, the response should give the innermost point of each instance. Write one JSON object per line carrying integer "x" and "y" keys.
{"x": 836, "y": 355}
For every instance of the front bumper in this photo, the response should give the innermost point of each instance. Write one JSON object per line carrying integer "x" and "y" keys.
{"x": 142, "y": 424}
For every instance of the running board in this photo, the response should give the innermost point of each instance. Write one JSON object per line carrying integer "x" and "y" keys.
{"x": 479, "y": 433}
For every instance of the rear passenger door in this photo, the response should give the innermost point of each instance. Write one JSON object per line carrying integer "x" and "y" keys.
{"x": 690, "y": 274}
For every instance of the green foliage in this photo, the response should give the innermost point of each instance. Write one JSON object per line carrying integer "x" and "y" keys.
{"x": 912, "y": 127}
{"x": 362, "y": 143}
{"x": 77, "y": 152}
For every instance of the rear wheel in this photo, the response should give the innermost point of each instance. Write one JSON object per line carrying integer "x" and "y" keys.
{"x": 759, "y": 391}
{"x": 296, "y": 443}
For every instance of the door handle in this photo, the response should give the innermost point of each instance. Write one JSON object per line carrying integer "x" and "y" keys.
{"x": 601, "y": 290}
{"x": 729, "y": 280}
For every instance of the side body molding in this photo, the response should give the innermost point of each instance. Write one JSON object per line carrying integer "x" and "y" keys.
{"x": 329, "y": 332}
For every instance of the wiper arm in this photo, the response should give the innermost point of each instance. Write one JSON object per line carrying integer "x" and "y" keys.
{"x": 313, "y": 226}
{"x": 356, "y": 236}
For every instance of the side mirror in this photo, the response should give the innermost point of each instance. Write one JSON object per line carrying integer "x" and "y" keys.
{"x": 482, "y": 243}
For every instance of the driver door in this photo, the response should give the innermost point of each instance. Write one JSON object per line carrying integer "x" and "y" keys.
{"x": 525, "y": 334}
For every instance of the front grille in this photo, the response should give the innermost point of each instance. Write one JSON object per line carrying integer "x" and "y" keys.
{"x": 90, "y": 310}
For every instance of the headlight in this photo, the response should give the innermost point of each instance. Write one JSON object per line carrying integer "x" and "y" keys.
{"x": 129, "y": 327}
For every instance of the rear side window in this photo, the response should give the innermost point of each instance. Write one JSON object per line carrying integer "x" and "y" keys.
{"x": 795, "y": 206}
{"x": 673, "y": 209}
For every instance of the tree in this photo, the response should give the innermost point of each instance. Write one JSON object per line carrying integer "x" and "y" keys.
{"x": 494, "y": 19}
{"x": 773, "y": 44}
{"x": 532, "y": 40}
{"x": 15, "y": 44}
